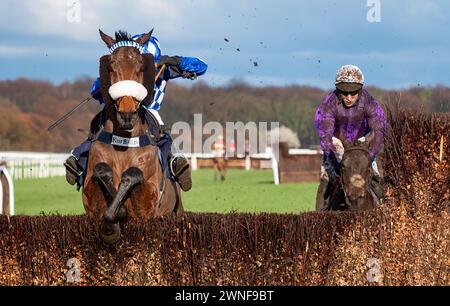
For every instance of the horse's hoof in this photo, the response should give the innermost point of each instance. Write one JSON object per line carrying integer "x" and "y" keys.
{"x": 110, "y": 232}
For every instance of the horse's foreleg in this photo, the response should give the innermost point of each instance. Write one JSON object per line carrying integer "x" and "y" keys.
{"x": 103, "y": 175}
{"x": 130, "y": 178}
{"x": 99, "y": 191}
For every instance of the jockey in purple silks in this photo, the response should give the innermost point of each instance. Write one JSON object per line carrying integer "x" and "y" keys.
{"x": 176, "y": 66}
{"x": 353, "y": 110}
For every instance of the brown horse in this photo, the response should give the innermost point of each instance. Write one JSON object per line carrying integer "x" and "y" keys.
{"x": 126, "y": 181}
{"x": 352, "y": 190}
{"x": 220, "y": 168}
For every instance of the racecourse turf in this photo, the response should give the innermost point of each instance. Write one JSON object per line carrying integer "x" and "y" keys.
{"x": 242, "y": 191}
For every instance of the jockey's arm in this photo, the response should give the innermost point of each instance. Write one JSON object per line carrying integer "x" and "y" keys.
{"x": 186, "y": 67}
{"x": 177, "y": 66}
{"x": 325, "y": 120}
{"x": 377, "y": 124}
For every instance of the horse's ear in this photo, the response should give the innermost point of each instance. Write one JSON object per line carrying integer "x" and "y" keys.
{"x": 144, "y": 38}
{"x": 344, "y": 140}
{"x": 109, "y": 41}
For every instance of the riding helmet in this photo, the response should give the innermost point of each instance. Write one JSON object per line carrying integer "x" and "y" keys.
{"x": 349, "y": 78}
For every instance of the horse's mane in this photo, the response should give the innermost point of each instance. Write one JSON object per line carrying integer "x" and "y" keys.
{"x": 122, "y": 36}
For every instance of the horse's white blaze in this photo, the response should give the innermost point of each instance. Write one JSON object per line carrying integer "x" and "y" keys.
{"x": 357, "y": 180}
{"x": 128, "y": 88}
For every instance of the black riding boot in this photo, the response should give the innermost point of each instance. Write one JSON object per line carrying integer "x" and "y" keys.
{"x": 176, "y": 163}
{"x": 181, "y": 170}
{"x": 73, "y": 170}
{"x": 76, "y": 164}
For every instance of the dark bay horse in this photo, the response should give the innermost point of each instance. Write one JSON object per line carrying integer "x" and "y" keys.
{"x": 352, "y": 190}
{"x": 124, "y": 178}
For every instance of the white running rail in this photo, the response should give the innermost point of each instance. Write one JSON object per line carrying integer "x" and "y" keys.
{"x": 34, "y": 165}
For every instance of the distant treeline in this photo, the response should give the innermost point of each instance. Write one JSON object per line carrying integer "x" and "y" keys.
{"x": 28, "y": 107}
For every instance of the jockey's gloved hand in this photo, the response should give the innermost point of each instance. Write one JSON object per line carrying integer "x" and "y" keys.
{"x": 169, "y": 60}
{"x": 189, "y": 75}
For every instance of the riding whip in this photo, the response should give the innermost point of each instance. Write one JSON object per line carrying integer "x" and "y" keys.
{"x": 163, "y": 67}
{"x": 60, "y": 120}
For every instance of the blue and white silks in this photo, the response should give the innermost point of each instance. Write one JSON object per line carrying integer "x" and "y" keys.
{"x": 188, "y": 64}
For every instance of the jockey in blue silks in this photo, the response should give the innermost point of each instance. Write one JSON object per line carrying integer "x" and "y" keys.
{"x": 176, "y": 66}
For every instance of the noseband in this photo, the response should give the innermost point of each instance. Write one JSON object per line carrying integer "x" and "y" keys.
{"x": 128, "y": 88}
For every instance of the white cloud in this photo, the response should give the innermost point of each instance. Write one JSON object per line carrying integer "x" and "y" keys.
{"x": 50, "y": 17}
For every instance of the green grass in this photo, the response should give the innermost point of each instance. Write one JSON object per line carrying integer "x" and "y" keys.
{"x": 247, "y": 191}
{"x": 242, "y": 191}
{"x": 49, "y": 195}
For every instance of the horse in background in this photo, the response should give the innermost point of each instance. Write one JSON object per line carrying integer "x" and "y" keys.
{"x": 125, "y": 179}
{"x": 220, "y": 165}
{"x": 220, "y": 162}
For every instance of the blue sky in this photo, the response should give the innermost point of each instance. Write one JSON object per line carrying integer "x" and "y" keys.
{"x": 293, "y": 42}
